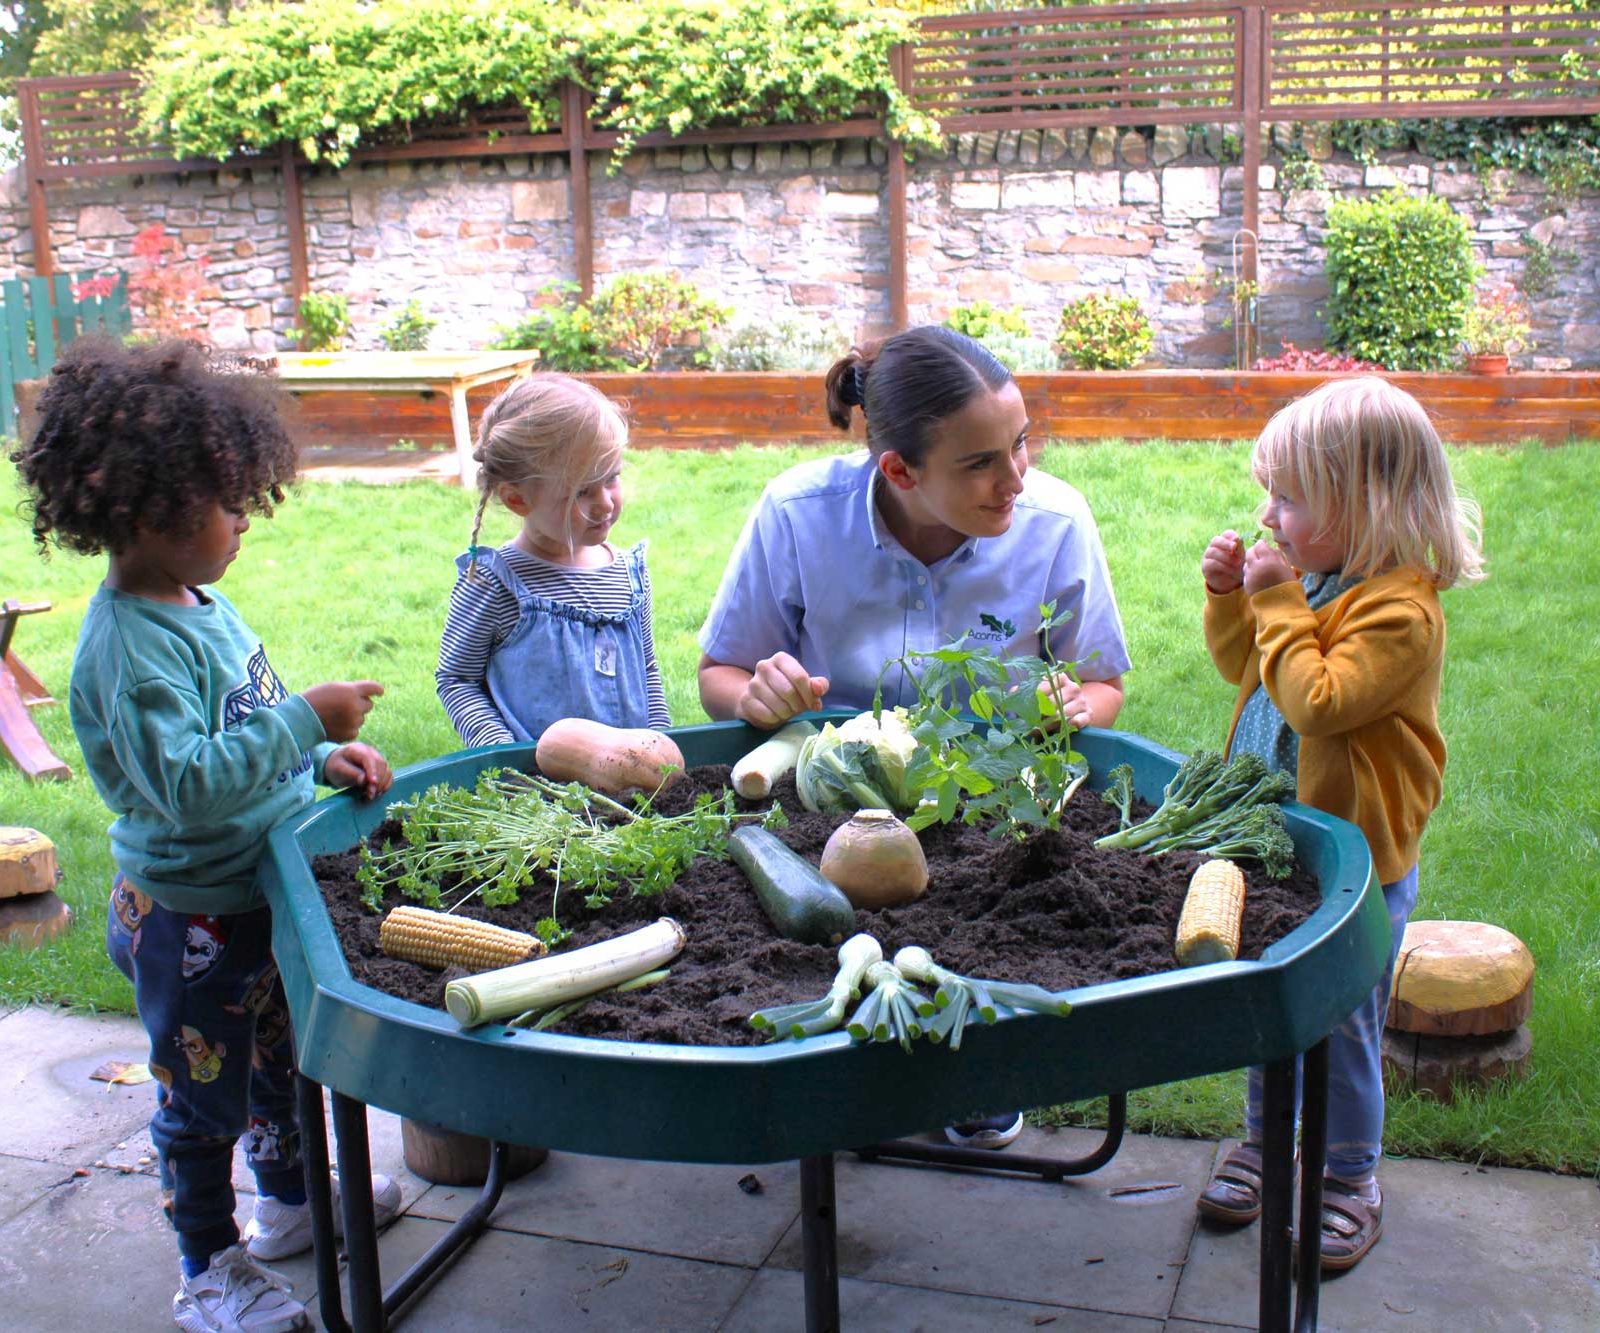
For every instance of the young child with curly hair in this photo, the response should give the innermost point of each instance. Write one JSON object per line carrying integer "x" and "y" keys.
{"x": 199, "y": 749}
{"x": 1334, "y": 635}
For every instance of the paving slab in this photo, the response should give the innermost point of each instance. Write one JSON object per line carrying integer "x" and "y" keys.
{"x": 1112, "y": 1241}
{"x": 1464, "y": 1248}
{"x": 693, "y": 1212}
{"x": 775, "y": 1303}
{"x": 23, "y": 1180}
{"x": 96, "y": 1252}
{"x": 511, "y": 1280}
{"x": 50, "y": 1109}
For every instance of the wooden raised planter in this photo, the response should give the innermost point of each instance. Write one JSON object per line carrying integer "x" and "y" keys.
{"x": 692, "y": 409}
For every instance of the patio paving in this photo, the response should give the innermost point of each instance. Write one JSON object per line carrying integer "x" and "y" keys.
{"x": 596, "y": 1243}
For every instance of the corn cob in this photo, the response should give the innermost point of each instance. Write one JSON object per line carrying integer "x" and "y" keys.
{"x": 1213, "y": 914}
{"x": 437, "y": 939}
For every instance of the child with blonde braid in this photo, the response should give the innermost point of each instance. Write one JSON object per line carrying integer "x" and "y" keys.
{"x": 1334, "y": 634}
{"x": 557, "y": 622}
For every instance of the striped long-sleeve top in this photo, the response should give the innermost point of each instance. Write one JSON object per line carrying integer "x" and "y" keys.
{"x": 483, "y": 612}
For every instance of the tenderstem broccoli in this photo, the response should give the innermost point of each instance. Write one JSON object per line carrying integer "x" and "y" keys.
{"x": 1208, "y": 806}
{"x": 1119, "y": 792}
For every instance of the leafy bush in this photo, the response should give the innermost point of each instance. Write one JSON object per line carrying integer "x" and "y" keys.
{"x": 1312, "y": 358}
{"x": 640, "y": 315}
{"x": 341, "y": 72}
{"x": 324, "y": 322}
{"x": 1021, "y": 354}
{"x": 1400, "y": 277}
{"x": 408, "y": 331}
{"x": 165, "y": 288}
{"x": 1497, "y": 324}
{"x": 788, "y": 344}
{"x": 1104, "y": 332}
{"x": 981, "y": 320}
{"x": 562, "y": 331}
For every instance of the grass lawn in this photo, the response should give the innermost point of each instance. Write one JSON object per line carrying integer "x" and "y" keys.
{"x": 351, "y": 580}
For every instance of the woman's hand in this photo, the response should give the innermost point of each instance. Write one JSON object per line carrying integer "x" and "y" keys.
{"x": 358, "y": 765}
{"x": 778, "y": 689}
{"x": 1223, "y": 563}
{"x": 1265, "y": 567}
{"x": 1069, "y": 697}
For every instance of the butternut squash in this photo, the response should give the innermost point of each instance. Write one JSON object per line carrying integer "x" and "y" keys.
{"x": 608, "y": 759}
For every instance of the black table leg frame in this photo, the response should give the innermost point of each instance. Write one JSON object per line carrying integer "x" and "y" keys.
{"x": 371, "y": 1308}
{"x": 1277, "y": 1191}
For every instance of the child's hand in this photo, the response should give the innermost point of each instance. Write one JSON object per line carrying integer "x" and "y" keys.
{"x": 358, "y": 765}
{"x": 1223, "y": 563}
{"x": 779, "y": 688}
{"x": 342, "y": 706}
{"x": 1068, "y": 694}
{"x": 1265, "y": 567}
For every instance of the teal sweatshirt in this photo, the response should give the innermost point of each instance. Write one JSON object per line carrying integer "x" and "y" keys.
{"x": 194, "y": 743}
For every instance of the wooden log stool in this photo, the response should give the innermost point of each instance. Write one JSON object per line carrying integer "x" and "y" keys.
{"x": 1458, "y": 1008}
{"x": 448, "y": 1157}
{"x": 31, "y": 912}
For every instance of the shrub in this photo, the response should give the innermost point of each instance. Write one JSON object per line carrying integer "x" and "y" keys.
{"x": 1312, "y": 358}
{"x": 640, "y": 315}
{"x": 324, "y": 322}
{"x": 562, "y": 331}
{"x": 1020, "y": 354}
{"x": 165, "y": 288}
{"x": 408, "y": 331}
{"x": 1104, "y": 332}
{"x": 788, "y": 344}
{"x": 982, "y": 321}
{"x": 1400, "y": 277}
{"x": 1497, "y": 324}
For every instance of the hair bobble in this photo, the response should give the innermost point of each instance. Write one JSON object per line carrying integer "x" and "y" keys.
{"x": 857, "y": 380}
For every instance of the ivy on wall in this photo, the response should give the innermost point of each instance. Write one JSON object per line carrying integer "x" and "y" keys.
{"x": 341, "y": 73}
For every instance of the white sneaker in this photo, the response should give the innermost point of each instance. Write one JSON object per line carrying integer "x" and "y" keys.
{"x": 237, "y": 1295}
{"x": 277, "y": 1230}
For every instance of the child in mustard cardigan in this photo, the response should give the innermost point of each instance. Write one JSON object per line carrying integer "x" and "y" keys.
{"x": 1335, "y": 637}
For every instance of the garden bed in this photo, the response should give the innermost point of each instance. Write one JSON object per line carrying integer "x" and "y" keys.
{"x": 715, "y": 408}
{"x": 1051, "y": 910}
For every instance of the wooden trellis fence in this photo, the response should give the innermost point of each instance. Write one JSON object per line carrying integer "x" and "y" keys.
{"x": 1248, "y": 64}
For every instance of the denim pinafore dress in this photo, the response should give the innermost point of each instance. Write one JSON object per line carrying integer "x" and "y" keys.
{"x": 563, "y": 660}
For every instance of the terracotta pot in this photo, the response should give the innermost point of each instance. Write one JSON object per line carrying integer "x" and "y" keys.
{"x": 1488, "y": 363}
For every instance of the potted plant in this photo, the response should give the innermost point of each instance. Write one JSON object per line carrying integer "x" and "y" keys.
{"x": 1495, "y": 327}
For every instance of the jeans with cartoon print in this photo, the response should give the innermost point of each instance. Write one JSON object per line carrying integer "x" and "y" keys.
{"x": 221, "y": 1053}
{"x": 1355, "y": 1064}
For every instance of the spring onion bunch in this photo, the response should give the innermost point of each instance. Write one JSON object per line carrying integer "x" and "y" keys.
{"x": 809, "y": 1017}
{"x": 958, "y": 998}
{"x": 890, "y": 1013}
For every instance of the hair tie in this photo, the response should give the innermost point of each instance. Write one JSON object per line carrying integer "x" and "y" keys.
{"x": 858, "y": 384}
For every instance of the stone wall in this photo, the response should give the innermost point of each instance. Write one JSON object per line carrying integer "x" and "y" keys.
{"x": 1031, "y": 220}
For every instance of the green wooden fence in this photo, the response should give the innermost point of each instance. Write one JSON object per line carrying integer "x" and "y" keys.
{"x": 40, "y": 316}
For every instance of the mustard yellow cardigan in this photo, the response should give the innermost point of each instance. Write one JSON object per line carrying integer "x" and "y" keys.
{"x": 1358, "y": 681}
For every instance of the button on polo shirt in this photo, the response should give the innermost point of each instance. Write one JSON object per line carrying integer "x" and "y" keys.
{"x": 817, "y": 574}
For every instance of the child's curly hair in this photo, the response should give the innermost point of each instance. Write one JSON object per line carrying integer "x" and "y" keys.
{"x": 148, "y": 436}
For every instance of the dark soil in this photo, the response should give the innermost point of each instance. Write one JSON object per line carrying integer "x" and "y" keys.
{"x": 1051, "y": 910}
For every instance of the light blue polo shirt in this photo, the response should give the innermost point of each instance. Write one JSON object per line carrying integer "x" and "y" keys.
{"x": 816, "y": 573}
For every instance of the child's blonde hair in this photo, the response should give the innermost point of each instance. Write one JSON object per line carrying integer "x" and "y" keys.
{"x": 1371, "y": 469}
{"x": 550, "y": 431}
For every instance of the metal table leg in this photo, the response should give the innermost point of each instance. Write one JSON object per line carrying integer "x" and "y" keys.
{"x": 1277, "y": 1194}
{"x": 371, "y": 1308}
{"x": 819, "y": 1234}
{"x": 1313, "y": 1158}
{"x": 985, "y": 1159}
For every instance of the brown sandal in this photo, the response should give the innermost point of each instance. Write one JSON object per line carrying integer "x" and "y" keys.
{"x": 1233, "y": 1194}
{"x": 1350, "y": 1225}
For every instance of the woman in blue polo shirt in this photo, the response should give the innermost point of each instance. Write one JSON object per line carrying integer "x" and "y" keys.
{"x": 939, "y": 530}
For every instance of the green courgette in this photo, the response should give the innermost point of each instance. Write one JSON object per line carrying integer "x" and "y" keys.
{"x": 799, "y": 902}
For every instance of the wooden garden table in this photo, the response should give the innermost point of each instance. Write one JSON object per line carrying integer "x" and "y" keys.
{"x": 408, "y": 372}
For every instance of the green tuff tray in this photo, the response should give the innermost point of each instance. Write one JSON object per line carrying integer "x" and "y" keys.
{"x": 794, "y": 1099}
